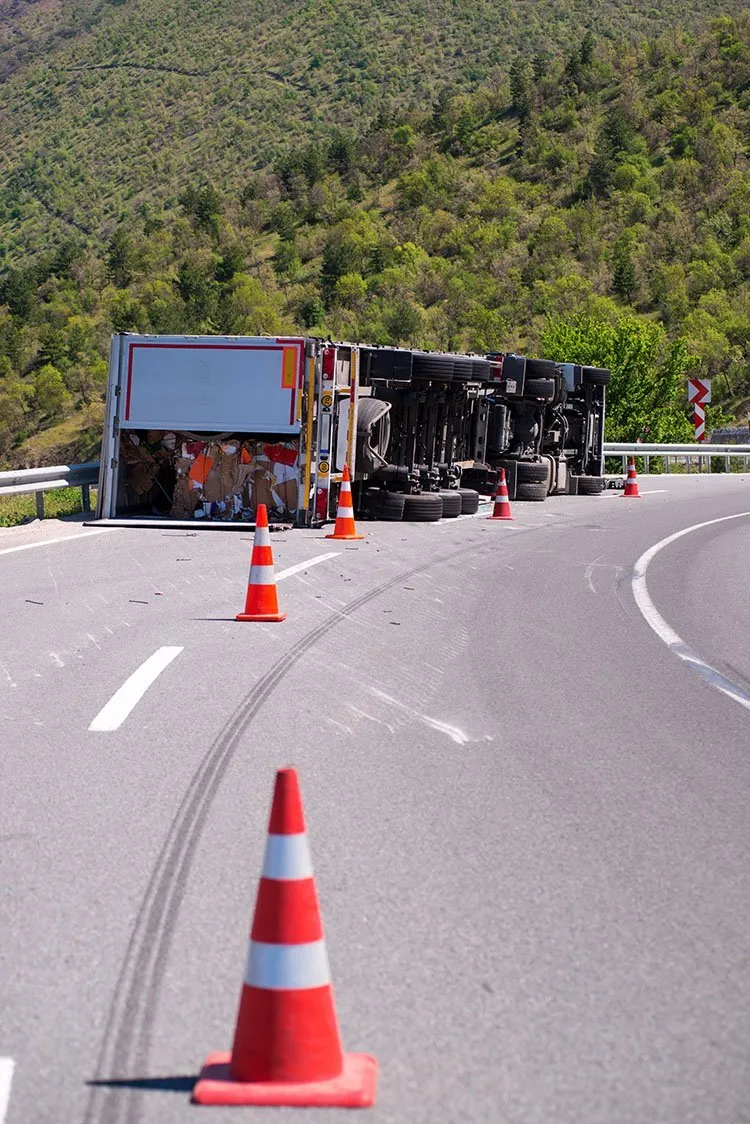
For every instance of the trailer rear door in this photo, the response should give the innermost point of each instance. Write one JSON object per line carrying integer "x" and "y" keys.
{"x": 204, "y": 383}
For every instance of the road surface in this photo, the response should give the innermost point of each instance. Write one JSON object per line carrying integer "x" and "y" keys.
{"x": 528, "y": 817}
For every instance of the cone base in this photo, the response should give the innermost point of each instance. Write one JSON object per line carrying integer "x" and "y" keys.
{"x": 500, "y": 517}
{"x": 631, "y": 495}
{"x": 348, "y": 538}
{"x": 261, "y": 617}
{"x": 353, "y": 1088}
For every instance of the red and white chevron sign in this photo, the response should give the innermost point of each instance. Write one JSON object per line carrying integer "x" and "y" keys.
{"x": 699, "y": 390}
{"x": 699, "y": 393}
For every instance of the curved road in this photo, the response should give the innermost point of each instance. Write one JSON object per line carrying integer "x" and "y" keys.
{"x": 528, "y": 817}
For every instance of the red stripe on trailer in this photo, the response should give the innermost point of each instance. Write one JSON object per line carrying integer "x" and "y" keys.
{"x": 200, "y": 347}
{"x": 287, "y": 912}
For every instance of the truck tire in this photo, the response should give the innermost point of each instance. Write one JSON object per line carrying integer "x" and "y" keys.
{"x": 390, "y": 363}
{"x": 469, "y": 501}
{"x": 463, "y": 369}
{"x": 595, "y": 376}
{"x": 540, "y": 369}
{"x": 381, "y": 504}
{"x": 540, "y": 388}
{"x": 451, "y": 502}
{"x": 425, "y": 507}
{"x": 428, "y": 366}
{"x": 481, "y": 370}
{"x": 373, "y": 433}
{"x": 590, "y": 485}
{"x": 527, "y": 472}
{"x": 535, "y": 492}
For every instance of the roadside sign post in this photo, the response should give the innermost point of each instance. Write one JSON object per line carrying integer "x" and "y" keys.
{"x": 699, "y": 393}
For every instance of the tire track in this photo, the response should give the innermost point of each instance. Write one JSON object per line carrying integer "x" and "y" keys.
{"x": 127, "y": 1037}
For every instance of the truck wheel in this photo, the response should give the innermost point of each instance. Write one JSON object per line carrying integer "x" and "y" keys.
{"x": 481, "y": 370}
{"x": 436, "y": 367}
{"x": 540, "y": 388}
{"x": 469, "y": 501}
{"x": 536, "y": 492}
{"x": 540, "y": 369}
{"x": 451, "y": 502}
{"x": 463, "y": 369}
{"x": 483, "y": 479}
{"x": 527, "y": 472}
{"x": 590, "y": 485}
{"x": 425, "y": 507}
{"x": 595, "y": 376}
{"x": 380, "y": 504}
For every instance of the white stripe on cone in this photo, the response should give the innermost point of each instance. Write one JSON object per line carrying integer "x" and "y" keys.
{"x": 262, "y": 537}
{"x": 261, "y": 575}
{"x": 287, "y": 858}
{"x": 278, "y": 967}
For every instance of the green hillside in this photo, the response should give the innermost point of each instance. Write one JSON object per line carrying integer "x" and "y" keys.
{"x": 398, "y": 174}
{"x": 106, "y": 105}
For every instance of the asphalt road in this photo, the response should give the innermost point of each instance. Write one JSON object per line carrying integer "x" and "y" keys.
{"x": 528, "y": 818}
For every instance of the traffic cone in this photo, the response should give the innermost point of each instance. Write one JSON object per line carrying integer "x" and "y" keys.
{"x": 287, "y": 1049}
{"x": 345, "y": 528}
{"x": 631, "y": 484}
{"x": 501, "y": 510}
{"x": 261, "y": 602}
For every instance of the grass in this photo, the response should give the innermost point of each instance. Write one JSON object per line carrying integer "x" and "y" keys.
{"x": 15, "y": 510}
{"x": 75, "y": 440}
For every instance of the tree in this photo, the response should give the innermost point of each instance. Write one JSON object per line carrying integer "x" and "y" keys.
{"x": 404, "y": 322}
{"x": 520, "y": 91}
{"x": 286, "y": 261}
{"x": 231, "y": 261}
{"x": 50, "y": 393}
{"x": 586, "y": 50}
{"x": 624, "y": 279}
{"x": 120, "y": 258}
{"x": 649, "y": 372}
{"x": 341, "y": 153}
{"x": 249, "y": 309}
{"x": 203, "y": 205}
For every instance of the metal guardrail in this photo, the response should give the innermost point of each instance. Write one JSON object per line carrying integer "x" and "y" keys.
{"x": 41, "y": 480}
{"x": 686, "y": 453}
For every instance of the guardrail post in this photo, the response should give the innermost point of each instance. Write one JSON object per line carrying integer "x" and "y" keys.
{"x": 666, "y": 464}
{"x": 646, "y": 465}
{"x": 85, "y": 497}
{"x": 39, "y": 504}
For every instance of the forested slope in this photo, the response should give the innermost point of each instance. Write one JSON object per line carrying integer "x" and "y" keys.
{"x": 593, "y": 196}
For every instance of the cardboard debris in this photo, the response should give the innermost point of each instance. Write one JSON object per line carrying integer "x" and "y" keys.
{"x": 188, "y": 478}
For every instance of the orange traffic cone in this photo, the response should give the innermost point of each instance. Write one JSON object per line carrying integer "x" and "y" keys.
{"x": 345, "y": 527}
{"x": 631, "y": 484}
{"x": 501, "y": 510}
{"x": 287, "y": 1049}
{"x": 261, "y": 602}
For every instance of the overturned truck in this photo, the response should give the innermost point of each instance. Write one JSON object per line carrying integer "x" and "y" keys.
{"x": 204, "y": 428}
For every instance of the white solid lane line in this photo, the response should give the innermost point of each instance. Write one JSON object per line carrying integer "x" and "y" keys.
{"x": 53, "y": 542}
{"x": 114, "y": 713}
{"x": 674, "y": 642}
{"x": 304, "y": 565}
{"x": 6, "y": 1076}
